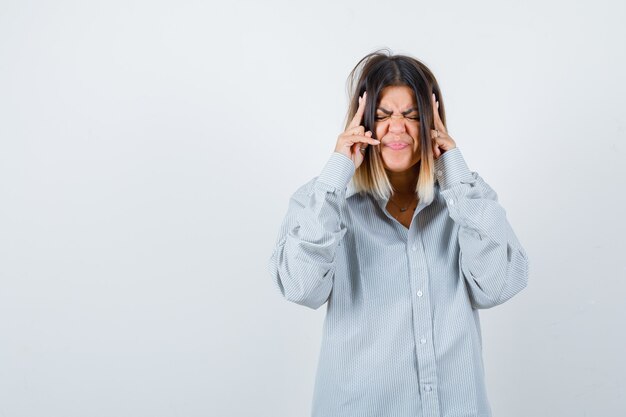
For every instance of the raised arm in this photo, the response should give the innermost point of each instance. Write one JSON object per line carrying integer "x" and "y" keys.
{"x": 302, "y": 263}
{"x": 492, "y": 260}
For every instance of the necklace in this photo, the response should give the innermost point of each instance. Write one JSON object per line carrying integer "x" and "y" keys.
{"x": 403, "y": 209}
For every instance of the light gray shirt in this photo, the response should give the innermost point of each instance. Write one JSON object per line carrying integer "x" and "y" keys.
{"x": 401, "y": 334}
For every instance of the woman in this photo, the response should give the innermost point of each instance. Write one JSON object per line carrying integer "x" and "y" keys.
{"x": 405, "y": 244}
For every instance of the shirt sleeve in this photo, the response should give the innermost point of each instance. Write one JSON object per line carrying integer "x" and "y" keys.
{"x": 302, "y": 264}
{"x": 493, "y": 262}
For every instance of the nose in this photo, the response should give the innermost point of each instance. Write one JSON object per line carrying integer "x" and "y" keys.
{"x": 396, "y": 125}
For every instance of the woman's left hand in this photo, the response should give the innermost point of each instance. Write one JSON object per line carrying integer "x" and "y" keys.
{"x": 442, "y": 142}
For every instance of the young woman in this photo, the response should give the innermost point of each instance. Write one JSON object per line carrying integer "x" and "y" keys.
{"x": 405, "y": 244}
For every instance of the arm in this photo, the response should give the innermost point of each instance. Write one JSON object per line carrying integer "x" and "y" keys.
{"x": 493, "y": 262}
{"x": 302, "y": 263}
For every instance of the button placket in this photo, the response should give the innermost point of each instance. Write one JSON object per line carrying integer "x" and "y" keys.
{"x": 425, "y": 354}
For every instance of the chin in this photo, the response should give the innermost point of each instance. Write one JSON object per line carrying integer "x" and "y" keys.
{"x": 399, "y": 164}
{"x": 398, "y": 169}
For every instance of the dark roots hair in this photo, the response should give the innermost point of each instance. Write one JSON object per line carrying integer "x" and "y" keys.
{"x": 373, "y": 73}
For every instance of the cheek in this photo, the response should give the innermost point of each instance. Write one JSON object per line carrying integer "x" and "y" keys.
{"x": 380, "y": 130}
{"x": 415, "y": 130}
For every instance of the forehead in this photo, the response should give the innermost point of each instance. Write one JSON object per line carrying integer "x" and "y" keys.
{"x": 397, "y": 97}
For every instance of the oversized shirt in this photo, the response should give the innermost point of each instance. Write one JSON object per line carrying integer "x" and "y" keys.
{"x": 401, "y": 334}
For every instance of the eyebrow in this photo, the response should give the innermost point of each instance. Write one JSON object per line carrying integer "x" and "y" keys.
{"x": 404, "y": 113}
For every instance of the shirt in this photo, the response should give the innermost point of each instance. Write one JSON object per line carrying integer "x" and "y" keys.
{"x": 401, "y": 334}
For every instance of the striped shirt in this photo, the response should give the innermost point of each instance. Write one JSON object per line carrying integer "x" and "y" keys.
{"x": 401, "y": 335}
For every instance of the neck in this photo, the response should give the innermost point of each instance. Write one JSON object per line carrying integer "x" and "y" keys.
{"x": 404, "y": 183}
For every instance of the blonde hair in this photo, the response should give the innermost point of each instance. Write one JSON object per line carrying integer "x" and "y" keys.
{"x": 373, "y": 73}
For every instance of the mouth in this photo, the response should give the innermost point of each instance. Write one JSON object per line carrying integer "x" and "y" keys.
{"x": 397, "y": 146}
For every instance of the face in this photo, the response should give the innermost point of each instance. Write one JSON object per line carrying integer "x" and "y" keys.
{"x": 397, "y": 128}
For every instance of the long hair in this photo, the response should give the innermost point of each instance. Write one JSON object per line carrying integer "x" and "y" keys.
{"x": 373, "y": 73}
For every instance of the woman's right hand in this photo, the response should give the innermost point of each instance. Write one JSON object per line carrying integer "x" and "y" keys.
{"x": 355, "y": 138}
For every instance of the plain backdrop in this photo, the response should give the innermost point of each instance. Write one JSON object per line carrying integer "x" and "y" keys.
{"x": 148, "y": 150}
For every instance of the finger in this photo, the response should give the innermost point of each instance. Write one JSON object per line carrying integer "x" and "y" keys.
{"x": 372, "y": 141}
{"x": 359, "y": 130}
{"x": 362, "y": 139}
{"x": 438, "y": 123}
{"x": 435, "y": 147}
{"x": 433, "y": 102}
{"x": 358, "y": 116}
{"x": 358, "y": 148}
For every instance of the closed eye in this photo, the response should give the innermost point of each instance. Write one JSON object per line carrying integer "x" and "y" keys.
{"x": 381, "y": 118}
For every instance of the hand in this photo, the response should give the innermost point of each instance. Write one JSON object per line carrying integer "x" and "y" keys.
{"x": 442, "y": 142}
{"x": 355, "y": 138}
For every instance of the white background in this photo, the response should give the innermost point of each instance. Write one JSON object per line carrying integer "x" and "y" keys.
{"x": 148, "y": 151}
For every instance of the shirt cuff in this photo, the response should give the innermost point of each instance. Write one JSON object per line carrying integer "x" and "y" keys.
{"x": 337, "y": 172}
{"x": 451, "y": 169}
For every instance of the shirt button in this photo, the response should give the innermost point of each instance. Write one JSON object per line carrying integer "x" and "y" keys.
{"x": 422, "y": 341}
{"x": 414, "y": 247}
{"x": 451, "y": 201}
{"x": 419, "y": 293}
{"x": 427, "y": 388}
{"x": 440, "y": 173}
